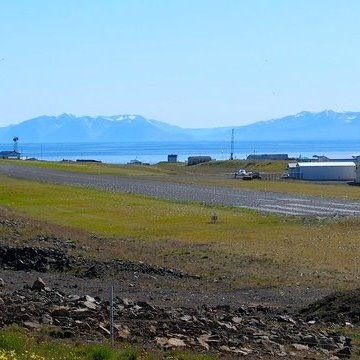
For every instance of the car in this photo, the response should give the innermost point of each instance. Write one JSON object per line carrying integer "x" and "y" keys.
{"x": 240, "y": 173}
{"x": 250, "y": 175}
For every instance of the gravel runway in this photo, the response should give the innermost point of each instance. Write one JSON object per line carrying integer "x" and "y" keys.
{"x": 272, "y": 202}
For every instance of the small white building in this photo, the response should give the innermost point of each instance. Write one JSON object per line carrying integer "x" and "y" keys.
{"x": 329, "y": 170}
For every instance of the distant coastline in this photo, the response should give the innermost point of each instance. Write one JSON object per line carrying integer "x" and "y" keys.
{"x": 153, "y": 152}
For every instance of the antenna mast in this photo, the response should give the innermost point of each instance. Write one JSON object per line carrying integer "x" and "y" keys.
{"x": 15, "y": 140}
{"x": 232, "y": 145}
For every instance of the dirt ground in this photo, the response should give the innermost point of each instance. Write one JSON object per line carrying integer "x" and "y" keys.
{"x": 134, "y": 279}
{"x": 202, "y": 314}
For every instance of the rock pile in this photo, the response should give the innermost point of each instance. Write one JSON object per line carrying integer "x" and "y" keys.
{"x": 31, "y": 258}
{"x": 340, "y": 308}
{"x": 45, "y": 259}
{"x": 253, "y": 332}
{"x": 95, "y": 269}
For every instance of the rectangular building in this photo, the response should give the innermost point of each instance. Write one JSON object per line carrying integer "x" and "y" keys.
{"x": 323, "y": 171}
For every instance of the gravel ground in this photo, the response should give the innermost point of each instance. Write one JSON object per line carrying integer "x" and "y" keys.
{"x": 212, "y": 195}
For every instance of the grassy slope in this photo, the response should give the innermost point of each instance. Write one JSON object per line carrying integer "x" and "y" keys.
{"x": 94, "y": 168}
{"x": 244, "y": 246}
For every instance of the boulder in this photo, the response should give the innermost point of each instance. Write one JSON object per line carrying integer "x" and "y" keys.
{"x": 38, "y": 284}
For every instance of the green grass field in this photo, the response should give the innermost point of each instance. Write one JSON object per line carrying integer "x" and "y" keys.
{"x": 94, "y": 168}
{"x": 247, "y": 247}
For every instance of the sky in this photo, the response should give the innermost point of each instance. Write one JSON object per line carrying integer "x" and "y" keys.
{"x": 192, "y": 63}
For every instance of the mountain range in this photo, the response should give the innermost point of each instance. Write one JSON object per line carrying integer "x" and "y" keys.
{"x": 325, "y": 125}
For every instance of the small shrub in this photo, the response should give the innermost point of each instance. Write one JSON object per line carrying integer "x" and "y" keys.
{"x": 102, "y": 353}
{"x": 10, "y": 341}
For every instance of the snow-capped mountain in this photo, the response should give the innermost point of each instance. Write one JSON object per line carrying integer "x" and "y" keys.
{"x": 70, "y": 128}
{"x": 325, "y": 125}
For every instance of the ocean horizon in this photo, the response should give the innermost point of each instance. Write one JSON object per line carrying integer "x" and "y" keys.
{"x": 154, "y": 152}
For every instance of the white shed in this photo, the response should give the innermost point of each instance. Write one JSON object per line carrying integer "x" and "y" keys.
{"x": 329, "y": 170}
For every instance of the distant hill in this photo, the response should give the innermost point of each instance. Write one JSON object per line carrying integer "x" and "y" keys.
{"x": 325, "y": 125}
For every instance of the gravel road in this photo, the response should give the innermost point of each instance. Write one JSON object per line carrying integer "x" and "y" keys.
{"x": 213, "y": 195}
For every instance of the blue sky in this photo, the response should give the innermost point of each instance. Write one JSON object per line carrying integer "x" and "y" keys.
{"x": 193, "y": 63}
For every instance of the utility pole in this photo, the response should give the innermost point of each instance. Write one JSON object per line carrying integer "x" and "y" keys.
{"x": 111, "y": 303}
{"x": 232, "y": 145}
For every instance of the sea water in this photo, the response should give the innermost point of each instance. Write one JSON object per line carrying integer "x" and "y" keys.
{"x": 154, "y": 152}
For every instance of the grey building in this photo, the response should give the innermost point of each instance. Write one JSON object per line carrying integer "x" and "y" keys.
{"x": 194, "y": 160}
{"x": 9, "y": 155}
{"x": 341, "y": 171}
{"x": 172, "y": 158}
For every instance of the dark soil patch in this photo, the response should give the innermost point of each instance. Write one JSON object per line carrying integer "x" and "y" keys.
{"x": 338, "y": 307}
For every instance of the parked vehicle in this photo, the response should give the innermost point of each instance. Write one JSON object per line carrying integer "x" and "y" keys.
{"x": 247, "y": 175}
{"x": 240, "y": 173}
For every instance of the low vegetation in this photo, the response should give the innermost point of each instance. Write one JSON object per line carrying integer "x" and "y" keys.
{"x": 16, "y": 344}
{"x": 94, "y": 168}
{"x": 270, "y": 166}
{"x": 245, "y": 247}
